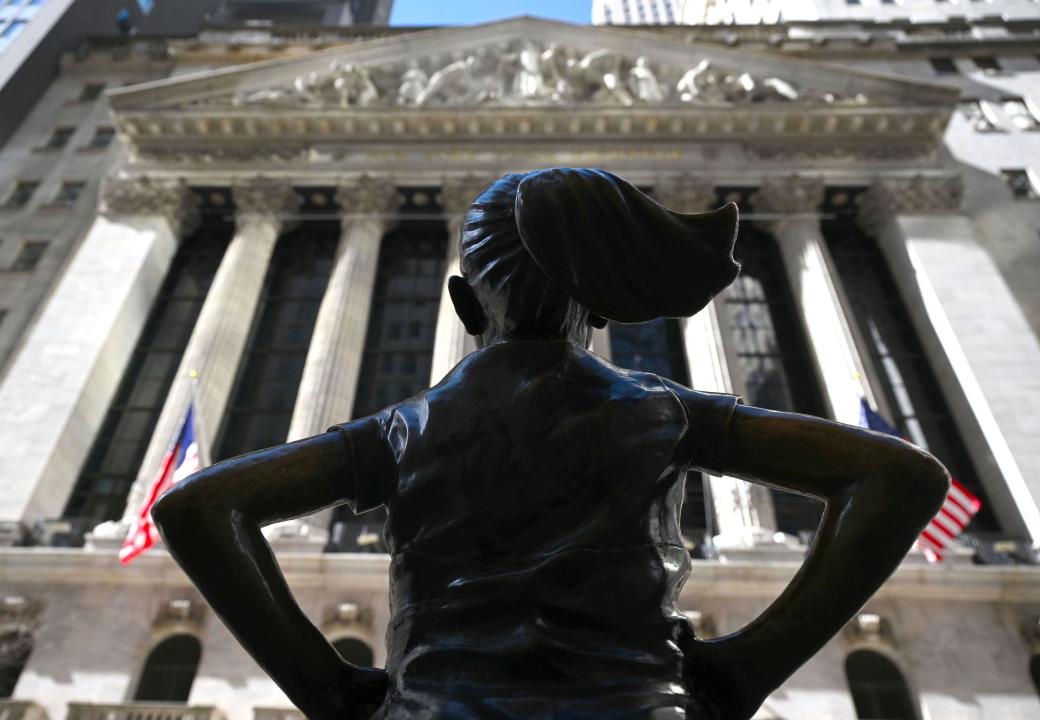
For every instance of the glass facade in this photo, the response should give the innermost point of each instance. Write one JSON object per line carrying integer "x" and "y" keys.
{"x": 115, "y": 459}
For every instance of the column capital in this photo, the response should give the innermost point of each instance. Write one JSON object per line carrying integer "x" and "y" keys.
{"x": 685, "y": 193}
{"x": 458, "y": 192}
{"x": 266, "y": 197}
{"x": 916, "y": 195}
{"x": 367, "y": 195}
{"x": 143, "y": 195}
{"x": 788, "y": 195}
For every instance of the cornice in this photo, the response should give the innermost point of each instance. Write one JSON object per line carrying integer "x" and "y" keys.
{"x": 27, "y": 569}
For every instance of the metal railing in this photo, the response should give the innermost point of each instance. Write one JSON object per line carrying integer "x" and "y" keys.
{"x": 21, "y": 710}
{"x": 141, "y": 711}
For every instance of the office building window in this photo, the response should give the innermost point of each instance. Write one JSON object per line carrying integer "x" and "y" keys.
{"x": 29, "y": 255}
{"x": 987, "y": 64}
{"x": 1020, "y": 183}
{"x": 270, "y": 372}
{"x": 59, "y": 138}
{"x": 1034, "y": 672}
{"x": 771, "y": 348}
{"x": 911, "y": 389}
{"x": 1022, "y": 114}
{"x": 21, "y": 194}
{"x": 170, "y": 670}
{"x": 878, "y": 688}
{"x": 943, "y": 65}
{"x": 115, "y": 458}
{"x": 69, "y": 193}
{"x": 9, "y": 32}
{"x": 101, "y": 138}
{"x": 91, "y": 91}
{"x": 980, "y": 115}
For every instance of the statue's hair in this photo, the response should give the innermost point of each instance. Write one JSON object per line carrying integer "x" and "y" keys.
{"x": 542, "y": 238}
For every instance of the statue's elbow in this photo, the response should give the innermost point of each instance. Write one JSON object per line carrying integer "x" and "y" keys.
{"x": 172, "y": 509}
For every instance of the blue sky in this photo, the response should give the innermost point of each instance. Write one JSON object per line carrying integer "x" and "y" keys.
{"x": 467, "y": 12}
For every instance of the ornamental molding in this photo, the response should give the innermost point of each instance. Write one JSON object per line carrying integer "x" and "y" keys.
{"x": 367, "y": 196}
{"x": 521, "y": 79}
{"x": 144, "y": 195}
{"x": 179, "y": 613}
{"x": 916, "y": 195}
{"x": 686, "y": 193}
{"x": 790, "y": 195}
{"x": 266, "y": 197}
{"x": 870, "y": 628}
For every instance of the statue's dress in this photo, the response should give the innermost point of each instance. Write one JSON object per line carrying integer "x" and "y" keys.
{"x": 533, "y": 501}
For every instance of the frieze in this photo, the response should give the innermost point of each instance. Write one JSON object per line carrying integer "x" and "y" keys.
{"x": 527, "y": 73}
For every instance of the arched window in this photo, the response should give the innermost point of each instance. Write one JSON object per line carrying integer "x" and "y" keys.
{"x": 878, "y": 688}
{"x": 1034, "y": 672}
{"x": 354, "y": 651}
{"x": 15, "y": 648}
{"x": 111, "y": 467}
{"x": 771, "y": 348}
{"x": 170, "y": 670}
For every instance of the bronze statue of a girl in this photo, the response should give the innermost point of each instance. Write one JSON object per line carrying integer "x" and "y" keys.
{"x": 533, "y": 495}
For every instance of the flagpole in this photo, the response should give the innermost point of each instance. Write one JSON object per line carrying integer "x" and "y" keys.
{"x": 203, "y": 442}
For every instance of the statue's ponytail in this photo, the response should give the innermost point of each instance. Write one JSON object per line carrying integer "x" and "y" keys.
{"x": 617, "y": 251}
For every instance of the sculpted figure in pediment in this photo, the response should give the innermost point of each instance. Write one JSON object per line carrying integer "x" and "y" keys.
{"x": 644, "y": 83}
{"x": 353, "y": 85}
{"x": 413, "y": 84}
{"x": 452, "y": 83}
{"x": 600, "y": 71}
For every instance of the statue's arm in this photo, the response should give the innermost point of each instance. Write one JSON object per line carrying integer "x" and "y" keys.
{"x": 211, "y": 524}
{"x": 879, "y": 492}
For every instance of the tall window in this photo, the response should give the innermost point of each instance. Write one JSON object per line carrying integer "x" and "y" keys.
{"x": 398, "y": 351}
{"x": 771, "y": 348}
{"x": 1034, "y": 672}
{"x": 354, "y": 651}
{"x": 878, "y": 688}
{"x": 401, "y": 324}
{"x": 912, "y": 392}
{"x": 114, "y": 460}
{"x": 170, "y": 670}
{"x": 15, "y": 648}
{"x": 272, "y": 367}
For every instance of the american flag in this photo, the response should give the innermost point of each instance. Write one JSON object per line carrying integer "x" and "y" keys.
{"x": 954, "y": 515}
{"x": 180, "y": 461}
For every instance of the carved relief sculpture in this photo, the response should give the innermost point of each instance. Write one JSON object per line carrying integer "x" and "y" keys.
{"x": 532, "y": 496}
{"x": 528, "y": 74}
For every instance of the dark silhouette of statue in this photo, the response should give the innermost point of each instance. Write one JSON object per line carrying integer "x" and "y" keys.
{"x": 533, "y": 496}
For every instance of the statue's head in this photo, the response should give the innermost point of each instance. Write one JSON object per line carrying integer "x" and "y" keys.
{"x": 560, "y": 251}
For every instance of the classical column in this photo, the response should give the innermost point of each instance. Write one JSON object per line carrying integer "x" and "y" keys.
{"x": 977, "y": 338}
{"x": 220, "y": 334}
{"x": 744, "y": 512}
{"x": 789, "y": 206}
{"x": 330, "y": 375}
{"x": 60, "y": 384}
{"x": 452, "y": 342}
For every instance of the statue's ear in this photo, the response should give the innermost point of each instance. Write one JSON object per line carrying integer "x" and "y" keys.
{"x": 597, "y": 321}
{"x": 467, "y": 307}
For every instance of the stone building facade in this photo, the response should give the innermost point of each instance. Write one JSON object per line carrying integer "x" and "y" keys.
{"x": 275, "y": 213}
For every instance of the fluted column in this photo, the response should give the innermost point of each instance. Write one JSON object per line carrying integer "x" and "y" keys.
{"x": 978, "y": 341}
{"x": 62, "y": 380}
{"x": 330, "y": 376}
{"x": 219, "y": 338}
{"x": 452, "y": 342}
{"x": 789, "y": 207}
{"x": 744, "y": 512}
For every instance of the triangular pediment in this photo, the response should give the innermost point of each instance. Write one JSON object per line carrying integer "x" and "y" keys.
{"x": 528, "y": 79}
{"x": 522, "y": 62}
